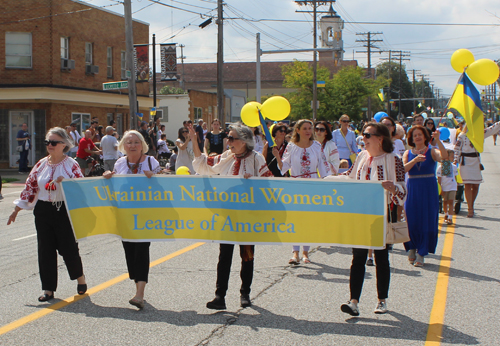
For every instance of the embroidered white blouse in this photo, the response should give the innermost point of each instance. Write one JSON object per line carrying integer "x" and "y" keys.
{"x": 42, "y": 174}
{"x": 305, "y": 162}
{"x": 383, "y": 167}
{"x": 121, "y": 166}
{"x": 228, "y": 164}
{"x": 332, "y": 156}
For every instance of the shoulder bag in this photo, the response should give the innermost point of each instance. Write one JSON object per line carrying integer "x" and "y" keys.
{"x": 352, "y": 156}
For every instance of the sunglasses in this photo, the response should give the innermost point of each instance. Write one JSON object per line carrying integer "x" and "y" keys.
{"x": 345, "y": 121}
{"x": 368, "y": 135}
{"x": 185, "y": 131}
{"x": 231, "y": 138}
{"x": 281, "y": 130}
{"x": 320, "y": 129}
{"x": 53, "y": 143}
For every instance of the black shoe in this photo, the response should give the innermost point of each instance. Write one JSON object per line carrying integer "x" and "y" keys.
{"x": 81, "y": 289}
{"x": 217, "y": 304}
{"x": 369, "y": 262}
{"x": 245, "y": 301}
{"x": 45, "y": 297}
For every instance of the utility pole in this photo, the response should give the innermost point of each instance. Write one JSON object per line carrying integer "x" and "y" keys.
{"x": 369, "y": 45}
{"x": 154, "y": 72}
{"x": 315, "y": 4}
{"x": 414, "y": 101}
{"x": 182, "y": 57}
{"x": 257, "y": 73}
{"x": 423, "y": 85}
{"x": 129, "y": 63}
{"x": 401, "y": 56}
{"x": 220, "y": 63}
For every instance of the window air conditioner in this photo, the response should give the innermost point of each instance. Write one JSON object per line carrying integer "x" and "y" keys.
{"x": 91, "y": 69}
{"x": 67, "y": 64}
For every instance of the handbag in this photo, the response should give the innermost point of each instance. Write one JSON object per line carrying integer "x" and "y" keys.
{"x": 352, "y": 156}
{"x": 19, "y": 148}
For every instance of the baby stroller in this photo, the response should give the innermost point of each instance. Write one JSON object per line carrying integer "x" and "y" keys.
{"x": 97, "y": 167}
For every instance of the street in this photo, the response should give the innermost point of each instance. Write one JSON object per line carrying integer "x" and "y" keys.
{"x": 452, "y": 300}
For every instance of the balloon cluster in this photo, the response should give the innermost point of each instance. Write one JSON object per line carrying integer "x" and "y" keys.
{"x": 275, "y": 108}
{"x": 482, "y": 71}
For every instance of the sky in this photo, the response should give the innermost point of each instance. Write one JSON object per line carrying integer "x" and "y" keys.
{"x": 430, "y": 45}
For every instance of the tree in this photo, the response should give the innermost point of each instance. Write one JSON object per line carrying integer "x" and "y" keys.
{"x": 391, "y": 72}
{"x": 166, "y": 90}
{"x": 345, "y": 93}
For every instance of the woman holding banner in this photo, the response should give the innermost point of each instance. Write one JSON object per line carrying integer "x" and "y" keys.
{"x": 377, "y": 162}
{"x": 241, "y": 160}
{"x": 278, "y": 132}
{"x": 304, "y": 158}
{"x": 53, "y": 227}
{"x": 135, "y": 162}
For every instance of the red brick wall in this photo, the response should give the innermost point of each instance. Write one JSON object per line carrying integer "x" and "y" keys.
{"x": 204, "y": 100}
{"x": 101, "y": 28}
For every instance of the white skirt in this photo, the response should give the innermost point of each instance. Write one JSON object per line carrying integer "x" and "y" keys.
{"x": 470, "y": 172}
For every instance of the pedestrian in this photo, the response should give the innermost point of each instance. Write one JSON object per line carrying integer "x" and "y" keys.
{"x": 418, "y": 119}
{"x": 422, "y": 202}
{"x": 86, "y": 148}
{"x": 76, "y": 139}
{"x": 99, "y": 133}
{"x": 109, "y": 147}
{"x": 23, "y": 147}
{"x": 163, "y": 150}
{"x": 446, "y": 174}
{"x": 185, "y": 153}
{"x": 199, "y": 133}
{"x": 278, "y": 132}
{"x": 173, "y": 159}
{"x": 143, "y": 130}
{"x": 470, "y": 164}
{"x": 136, "y": 161}
{"x": 324, "y": 137}
{"x": 431, "y": 127}
{"x": 305, "y": 159}
{"x": 215, "y": 140}
{"x": 241, "y": 160}
{"x": 345, "y": 140}
{"x": 43, "y": 193}
{"x": 377, "y": 162}
{"x": 259, "y": 142}
{"x": 399, "y": 147}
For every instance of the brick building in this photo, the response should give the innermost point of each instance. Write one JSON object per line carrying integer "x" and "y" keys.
{"x": 54, "y": 57}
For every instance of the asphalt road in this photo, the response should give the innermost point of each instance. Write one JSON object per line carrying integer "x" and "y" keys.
{"x": 292, "y": 305}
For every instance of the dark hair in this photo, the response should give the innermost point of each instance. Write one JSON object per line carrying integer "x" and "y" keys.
{"x": 409, "y": 136}
{"x": 328, "y": 135}
{"x": 162, "y": 126}
{"x": 278, "y": 127}
{"x": 180, "y": 135}
{"x": 163, "y": 136}
{"x": 393, "y": 133}
{"x": 418, "y": 115}
{"x": 382, "y": 131}
{"x": 433, "y": 123}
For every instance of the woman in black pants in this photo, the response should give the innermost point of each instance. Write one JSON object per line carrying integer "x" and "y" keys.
{"x": 377, "y": 162}
{"x": 54, "y": 232}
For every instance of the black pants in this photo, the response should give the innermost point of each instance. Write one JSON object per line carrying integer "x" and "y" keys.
{"x": 382, "y": 268}
{"x": 23, "y": 161}
{"x": 55, "y": 234}
{"x": 137, "y": 257}
{"x": 224, "y": 268}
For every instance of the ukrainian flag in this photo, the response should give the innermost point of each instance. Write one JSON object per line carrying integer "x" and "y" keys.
{"x": 269, "y": 138}
{"x": 467, "y": 102}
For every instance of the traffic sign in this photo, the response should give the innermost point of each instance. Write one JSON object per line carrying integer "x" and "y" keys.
{"x": 115, "y": 85}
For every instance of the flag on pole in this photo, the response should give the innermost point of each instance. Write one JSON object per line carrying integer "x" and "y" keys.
{"x": 467, "y": 102}
{"x": 381, "y": 95}
{"x": 269, "y": 138}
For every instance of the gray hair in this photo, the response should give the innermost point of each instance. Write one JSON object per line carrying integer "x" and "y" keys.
{"x": 121, "y": 145}
{"x": 59, "y": 131}
{"x": 244, "y": 134}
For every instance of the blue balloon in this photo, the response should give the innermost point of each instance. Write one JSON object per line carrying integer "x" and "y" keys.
{"x": 445, "y": 133}
{"x": 379, "y": 116}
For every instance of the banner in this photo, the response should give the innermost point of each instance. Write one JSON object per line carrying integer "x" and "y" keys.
{"x": 229, "y": 210}
{"x": 141, "y": 62}
{"x": 168, "y": 55}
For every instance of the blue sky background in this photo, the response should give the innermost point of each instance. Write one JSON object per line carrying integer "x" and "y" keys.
{"x": 431, "y": 46}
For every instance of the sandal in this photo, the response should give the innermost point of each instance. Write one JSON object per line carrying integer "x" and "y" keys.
{"x": 81, "y": 289}
{"x": 294, "y": 261}
{"x": 411, "y": 256}
{"x": 137, "y": 303}
{"x": 46, "y": 297}
{"x": 419, "y": 261}
{"x": 306, "y": 259}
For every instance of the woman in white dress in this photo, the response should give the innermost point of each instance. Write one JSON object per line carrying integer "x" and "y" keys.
{"x": 185, "y": 155}
{"x": 240, "y": 160}
{"x": 470, "y": 164}
{"x": 324, "y": 137}
{"x": 304, "y": 158}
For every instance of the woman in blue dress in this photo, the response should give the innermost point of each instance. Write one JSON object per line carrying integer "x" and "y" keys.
{"x": 422, "y": 202}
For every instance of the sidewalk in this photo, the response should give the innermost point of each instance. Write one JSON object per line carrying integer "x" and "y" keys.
{"x": 13, "y": 174}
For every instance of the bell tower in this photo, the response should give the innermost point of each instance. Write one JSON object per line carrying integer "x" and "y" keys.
{"x": 331, "y": 27}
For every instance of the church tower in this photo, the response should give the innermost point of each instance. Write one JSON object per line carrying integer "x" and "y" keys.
{"x": 331, "y": 27}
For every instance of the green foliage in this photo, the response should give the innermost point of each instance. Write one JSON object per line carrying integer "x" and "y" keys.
{"x": 345, "y": 93}
{"x": 167, "y": 90}
{"x": 391, "y": 72}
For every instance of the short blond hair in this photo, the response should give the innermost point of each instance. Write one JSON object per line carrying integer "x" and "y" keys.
{"x": 121, "y": 145}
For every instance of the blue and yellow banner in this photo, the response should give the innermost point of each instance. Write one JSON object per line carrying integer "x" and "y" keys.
{"x": 229, "y": 210}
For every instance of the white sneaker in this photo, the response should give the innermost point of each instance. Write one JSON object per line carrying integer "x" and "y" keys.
{"x": 350, "y": 308}
{"x": 381, "y": 308}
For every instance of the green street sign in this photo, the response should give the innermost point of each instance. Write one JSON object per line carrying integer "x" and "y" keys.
{"x": 364, "y": 109}
{"x": 115, "y": 85}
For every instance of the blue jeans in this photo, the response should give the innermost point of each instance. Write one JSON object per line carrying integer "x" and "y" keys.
{"x": 23, "y": 161}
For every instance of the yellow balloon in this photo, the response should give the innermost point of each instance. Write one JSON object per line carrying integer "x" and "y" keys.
{"x": 483, "y": 71}
{"x": 250, "y": 114}
{"x": 271, "y": 128}
{"x": 182, "y": 170}
{"x": 276, "y": 108}
{"x": 461, "y": 59}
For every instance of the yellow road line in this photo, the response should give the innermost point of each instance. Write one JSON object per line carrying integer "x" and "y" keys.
{"x": 434, "y": 333}
{"x": 61, "y": 304}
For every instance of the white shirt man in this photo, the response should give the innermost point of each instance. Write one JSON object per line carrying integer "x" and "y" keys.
{"x": 109, "y": 147}
{"x": 76, "y": 139}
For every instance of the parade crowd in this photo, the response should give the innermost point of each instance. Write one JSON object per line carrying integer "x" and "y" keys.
{"x": 408, "y": 162}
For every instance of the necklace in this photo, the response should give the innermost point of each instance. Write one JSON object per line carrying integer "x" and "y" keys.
{"x": 134, "y": 168}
